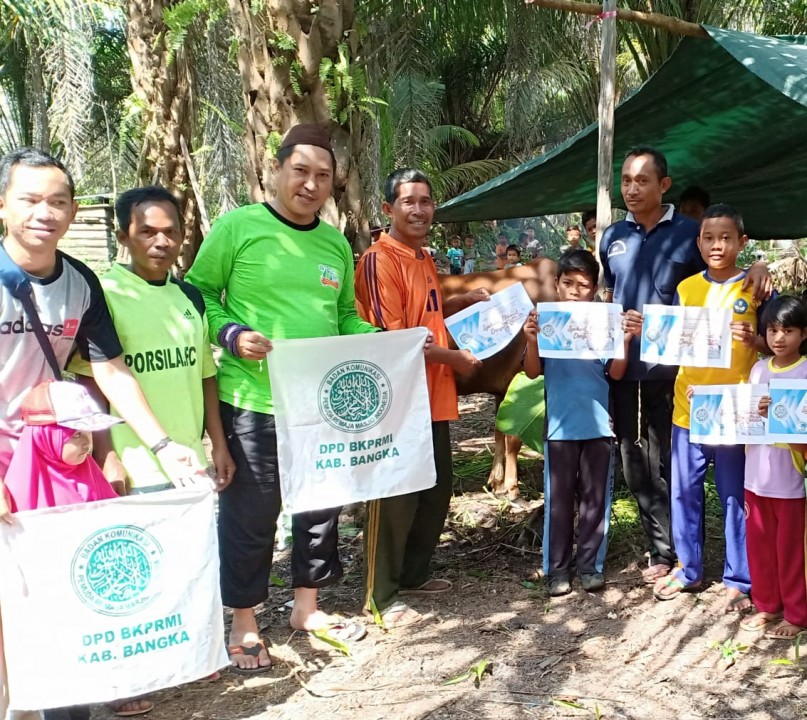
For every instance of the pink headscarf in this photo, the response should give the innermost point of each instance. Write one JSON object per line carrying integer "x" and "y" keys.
{"x": 38, "y": 477}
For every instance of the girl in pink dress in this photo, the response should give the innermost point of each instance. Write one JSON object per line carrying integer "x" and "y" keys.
{"x": 52, "y": 464}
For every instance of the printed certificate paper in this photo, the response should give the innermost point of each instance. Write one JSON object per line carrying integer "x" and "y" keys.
{"x": 691, "y": 336}
{"x": 787, "y": 415}
{"x": 727, "y": 415}
{"x": 580, "y": 330}
{"x": 485, "y": 328}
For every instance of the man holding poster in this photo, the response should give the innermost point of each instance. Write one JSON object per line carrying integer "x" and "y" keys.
{"x": 644, "y": 257}
{"x": 397, "y": 288}
{"x": 285, "y": 274}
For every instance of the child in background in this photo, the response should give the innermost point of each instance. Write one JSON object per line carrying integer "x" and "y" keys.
{"x": 501, "y": 251}
{"x": 470, "y": 255}
{"x": 513, "y": 257}
{"x": 579, "y": 439}
{"x": 720, "y": 286}
{"x": 52, "y": 464}
{"x": 774, "y": 489}
{"x": 455, "y": 256}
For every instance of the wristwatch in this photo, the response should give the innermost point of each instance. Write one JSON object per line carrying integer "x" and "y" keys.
{"x": 162, "y": 444}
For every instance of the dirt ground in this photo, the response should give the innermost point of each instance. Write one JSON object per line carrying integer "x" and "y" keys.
{"x": 617, "y": 654}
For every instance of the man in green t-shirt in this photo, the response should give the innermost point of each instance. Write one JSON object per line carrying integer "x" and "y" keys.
{"x": 274, "y": 270}
{"x": 162, "y": 326}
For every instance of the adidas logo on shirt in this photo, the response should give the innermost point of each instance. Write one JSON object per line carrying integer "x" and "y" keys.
{"x": 188, "y": 314}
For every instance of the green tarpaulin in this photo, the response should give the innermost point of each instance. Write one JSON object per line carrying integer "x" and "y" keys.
{"x": 729, "y": 112}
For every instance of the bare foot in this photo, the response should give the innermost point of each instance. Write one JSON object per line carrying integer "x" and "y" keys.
{"x": 655, "y": 572}
{"x": 316, "y": 620}
{"x": 244, "y": 634}
{"x": 131, "y": 706}
{"x": 760, "y": 621}
{"x": 785, "y": 631}
{"x": 735, "y": 600}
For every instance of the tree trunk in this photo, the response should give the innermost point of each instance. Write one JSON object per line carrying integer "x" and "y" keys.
{"x": 281, "y": 47}
{"x": 163, "y": 83}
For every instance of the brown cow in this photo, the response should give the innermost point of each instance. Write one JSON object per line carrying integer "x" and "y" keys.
{"x": 496, "y": 373}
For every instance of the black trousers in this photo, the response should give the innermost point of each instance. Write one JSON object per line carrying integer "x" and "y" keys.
{"x": 77, "y": 712}
{"x": 402, "y": 532}
{"x": 248, "y": 511}
{"x": 576, "y": 469}
{"x": 643, "y": 425}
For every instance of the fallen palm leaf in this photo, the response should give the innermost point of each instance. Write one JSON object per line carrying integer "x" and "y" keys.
{"x": 332, "y": 641}
{"x": 476, "y": 671}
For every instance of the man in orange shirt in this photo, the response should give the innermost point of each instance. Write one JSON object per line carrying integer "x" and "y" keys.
{"x": 397, "y": 288}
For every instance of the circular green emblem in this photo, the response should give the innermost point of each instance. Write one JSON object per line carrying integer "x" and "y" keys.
{"x": 355, "y": 396}
{"x": 115, "y": 570}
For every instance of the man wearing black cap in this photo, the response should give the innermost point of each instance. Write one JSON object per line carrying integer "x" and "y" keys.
{"x": 284, "y": 274}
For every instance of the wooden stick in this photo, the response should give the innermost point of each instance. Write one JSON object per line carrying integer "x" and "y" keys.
{"x": 657, "y": 20}
{"x": 605, "y": 148}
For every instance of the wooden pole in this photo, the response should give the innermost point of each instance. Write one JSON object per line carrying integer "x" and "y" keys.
{"x": 657, "y": 20}
{"x": 605, "y": 154}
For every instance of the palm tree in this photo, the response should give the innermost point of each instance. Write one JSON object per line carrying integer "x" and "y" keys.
{"x": 46, "y": 79}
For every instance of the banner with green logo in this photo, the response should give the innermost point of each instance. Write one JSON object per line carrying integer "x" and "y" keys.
{"x": 353, "y": 418}
{"x": 121, "y": 597}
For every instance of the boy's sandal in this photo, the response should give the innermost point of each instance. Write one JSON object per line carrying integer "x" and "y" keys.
{"x": 252, "y": 651}
{"x": 757, "y": 624}
{"x": 733, "y": 605}
{"x": 672, "y": 586}
{"x": 342, "y": 631}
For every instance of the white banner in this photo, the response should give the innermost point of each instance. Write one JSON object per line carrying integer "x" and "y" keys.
{"x": 110, "y": 599}
{"x": 353, "y": 418}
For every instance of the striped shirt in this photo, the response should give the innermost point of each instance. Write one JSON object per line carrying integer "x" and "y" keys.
{"x": 396, "y": 289}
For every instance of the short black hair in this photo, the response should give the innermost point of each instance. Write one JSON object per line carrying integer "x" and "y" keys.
{"x": 523, "y": 237}
{"x": 400, "y": 177}
{"x": 659, "y": 160}
{"x": 129, "y": 200}
{"x": 31, "y": 157}
{"x": 696, "y": 193}
{"x": 578, "y": 260}
{"x": 786, "y": 311}
{"x": 721, "y": 210}
{"x": 513, "y": 248}
{"x": 588, "y": 215}
{"x": 572, "y": 227}
{"x": 285, "y": 153}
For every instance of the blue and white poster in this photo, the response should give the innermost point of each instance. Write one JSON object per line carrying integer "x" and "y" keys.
{"x": 787, "y": 414}
{"x": 727, "y": 415}
{"x": 686, "y": 335}
{"x": 487, "y": 327}
{"x": 580, "y": 330}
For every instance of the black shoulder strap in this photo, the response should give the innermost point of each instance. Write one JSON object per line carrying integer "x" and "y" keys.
{"x": 14, "y": 278}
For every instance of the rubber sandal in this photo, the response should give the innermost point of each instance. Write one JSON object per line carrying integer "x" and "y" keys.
{"x": 343, "y": 632}
{"x": 444, "y": 586}
{"x": 409, "y": 616}
{"x": 771, "y": 634}
{"x": 676, "y": 586}
{"x": 117, "y": 704}
{"x": 731, "y": 606}
{"x": 749, "y": 626}
{"x": 253, "y": 651}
